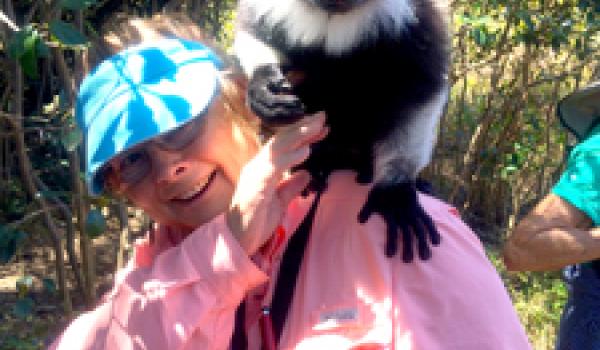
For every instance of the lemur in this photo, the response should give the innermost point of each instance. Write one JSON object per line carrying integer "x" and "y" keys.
{"x": 379, "y": 69}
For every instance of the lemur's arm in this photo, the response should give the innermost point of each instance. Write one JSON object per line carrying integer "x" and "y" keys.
{"x": 270, "y": 93}
{"x": 252, "y": 52}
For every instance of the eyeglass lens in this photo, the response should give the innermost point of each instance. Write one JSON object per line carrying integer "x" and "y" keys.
{"x": 136, "y": 163}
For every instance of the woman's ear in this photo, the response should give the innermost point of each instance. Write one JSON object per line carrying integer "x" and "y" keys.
{"x": 112, "y": 184}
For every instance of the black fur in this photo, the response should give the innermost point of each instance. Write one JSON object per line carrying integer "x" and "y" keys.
{"x": 366, "y": 93}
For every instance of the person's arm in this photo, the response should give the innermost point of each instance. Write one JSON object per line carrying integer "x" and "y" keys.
{"x": 555, "y": 234}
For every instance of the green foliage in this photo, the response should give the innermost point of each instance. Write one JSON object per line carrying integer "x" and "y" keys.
{"x": 538, "y": 298}
{"x": 95, "y": 224}
{"x": 24, "y": 307}
{"x": 49, "y": 286}
{"x": 27, "y": 46}
{"x": 9, "y": 243}
{"x": 71, "y": 139}
{"x": 67, "y": 34}
{"x": 13, "y": 203}
{"x": 76, "y": 5}
{"x": 15, "y": 343}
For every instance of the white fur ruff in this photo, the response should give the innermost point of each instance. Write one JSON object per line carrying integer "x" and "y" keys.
{"x": 308, "y": 25}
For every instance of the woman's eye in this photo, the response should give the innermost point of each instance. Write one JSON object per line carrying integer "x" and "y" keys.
{"x": 132, "y": 159}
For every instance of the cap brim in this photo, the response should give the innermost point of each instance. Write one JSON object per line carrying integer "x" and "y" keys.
{"x": 579, "y": 112}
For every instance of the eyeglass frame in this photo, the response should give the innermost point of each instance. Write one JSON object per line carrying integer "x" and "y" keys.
{"x": 173, "y": 140}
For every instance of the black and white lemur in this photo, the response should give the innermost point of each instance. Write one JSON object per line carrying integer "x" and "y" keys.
{"x": 378, "y": 68}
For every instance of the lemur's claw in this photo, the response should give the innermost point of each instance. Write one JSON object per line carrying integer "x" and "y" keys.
{"x": 398, "y": 205}
{"x": 271, "y": 96}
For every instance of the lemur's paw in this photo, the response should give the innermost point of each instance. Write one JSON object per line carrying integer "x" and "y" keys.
{"x": 399, "y": 206}
{"x": 271, "y": 96}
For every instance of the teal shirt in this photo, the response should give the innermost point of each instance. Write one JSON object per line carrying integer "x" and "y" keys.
{"x": 580, "y": 183}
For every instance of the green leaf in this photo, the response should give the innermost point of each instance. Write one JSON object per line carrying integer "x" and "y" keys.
{"x": 9, "y": 241}
{"x": 7, "y": 252}
{"x": 49, "y": 285}
{"x": 23, "y": 307}
{"x": 480, "y": 36}
{"x": 70, "y": 140}
{"x": 26, "y": 46}
{"x": 95, "y": 224}
{"x": 41, "y": 48}
{"x": 16, "y": 46}
{"x": 76, "y": 5}
{"x": 67, "y": 34}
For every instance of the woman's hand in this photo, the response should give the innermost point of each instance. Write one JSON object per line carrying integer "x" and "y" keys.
{"x": 266, "y": 187}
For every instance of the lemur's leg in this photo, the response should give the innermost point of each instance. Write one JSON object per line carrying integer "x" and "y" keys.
{"x": 398, "y": 160}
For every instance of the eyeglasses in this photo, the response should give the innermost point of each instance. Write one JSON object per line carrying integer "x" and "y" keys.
{"x": 133, "y": 165}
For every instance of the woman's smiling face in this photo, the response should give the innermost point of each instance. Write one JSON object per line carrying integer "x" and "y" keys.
{"x": 191, "y": 185}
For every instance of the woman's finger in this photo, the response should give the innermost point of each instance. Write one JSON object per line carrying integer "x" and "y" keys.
{"x": 291, "y": 187}
{"x": 286, "y": 161}
{"x": 307, "y": 131}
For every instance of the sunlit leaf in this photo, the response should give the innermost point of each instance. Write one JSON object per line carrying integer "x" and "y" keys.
{"x": 52, "y": 106}
{"x": 26, "y": 46}
{"x": 67, "y": 34}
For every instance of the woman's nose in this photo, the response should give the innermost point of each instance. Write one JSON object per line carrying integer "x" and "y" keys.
{"x": 169, "y": 165}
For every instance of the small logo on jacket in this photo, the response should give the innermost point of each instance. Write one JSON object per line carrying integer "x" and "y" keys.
{"x": 339, "y": 316}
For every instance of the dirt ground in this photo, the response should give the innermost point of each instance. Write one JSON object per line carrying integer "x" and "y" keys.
{"x": 35, "y": 258}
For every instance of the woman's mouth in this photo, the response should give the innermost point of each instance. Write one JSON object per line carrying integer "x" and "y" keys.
{"x": 197, "y": 191}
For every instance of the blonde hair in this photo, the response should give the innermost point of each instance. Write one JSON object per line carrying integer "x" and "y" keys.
{"x": 122, "y": 31}
{"x": 233, "y": 91}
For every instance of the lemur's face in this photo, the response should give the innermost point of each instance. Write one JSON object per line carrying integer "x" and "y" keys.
{"x": 338, "y": 6}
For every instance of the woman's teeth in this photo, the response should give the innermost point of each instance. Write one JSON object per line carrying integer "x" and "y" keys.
{"x": 198, "y": 189}
{"x": 191, "y": 193}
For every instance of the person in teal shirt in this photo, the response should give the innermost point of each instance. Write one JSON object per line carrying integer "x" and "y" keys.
{"x": 562, "y": 230}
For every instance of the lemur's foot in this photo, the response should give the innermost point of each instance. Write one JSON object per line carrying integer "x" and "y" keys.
{"x": 399, "y": 206}
{"x": 271, "y": 96}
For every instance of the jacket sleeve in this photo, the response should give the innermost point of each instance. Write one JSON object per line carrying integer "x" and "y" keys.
{"x": 186, "y": 298}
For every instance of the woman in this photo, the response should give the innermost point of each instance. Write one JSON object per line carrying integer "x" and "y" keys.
{"x": 220, "y": 198}
{"x": 561, "y": 231}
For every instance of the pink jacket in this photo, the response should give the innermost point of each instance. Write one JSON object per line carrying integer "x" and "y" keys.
{"x": 182, "y": 293}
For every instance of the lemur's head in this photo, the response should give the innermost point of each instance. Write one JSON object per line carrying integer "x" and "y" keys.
{"x": 337, "y": 6}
